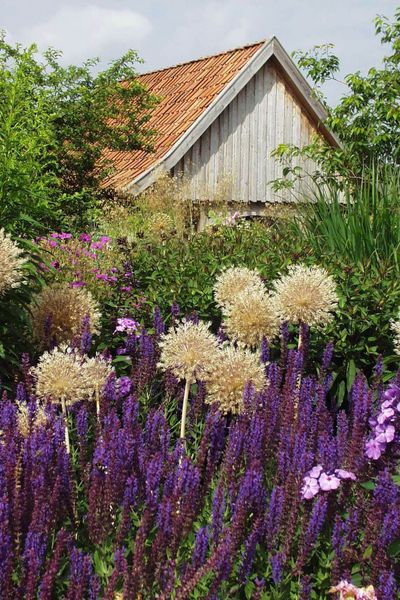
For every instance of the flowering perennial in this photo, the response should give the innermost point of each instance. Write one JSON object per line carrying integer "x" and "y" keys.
{"x": 384, "y": 424}
{"x": 233, "y": 281}
{"x": 306, "y": 295}
{"x": 11, "y": 263}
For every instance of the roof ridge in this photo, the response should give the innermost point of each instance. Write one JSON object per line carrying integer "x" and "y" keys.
{"x": 193, "y": 60}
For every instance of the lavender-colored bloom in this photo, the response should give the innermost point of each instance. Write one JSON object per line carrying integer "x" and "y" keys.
{"x": 387, "y": 586}
{"x": 328, "y": 482}
{"x": 310, "y": 488}
{"x": 277, "y": 564}
{"x": 126, "y": 324}
{"x": 374, "y": 449}
{"x": 86, "y": 337}
{"x": 200, "y": 548}
{"x": 343, "y": 474}
{"x": 158, "y": 323}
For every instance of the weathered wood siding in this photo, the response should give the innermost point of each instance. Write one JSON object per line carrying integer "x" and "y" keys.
{"x": 233, "y": 156}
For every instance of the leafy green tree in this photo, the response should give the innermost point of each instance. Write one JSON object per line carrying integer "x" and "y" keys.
{"x": 27, "y": 141}
{"x": 56, "y": 123}
{"x": 366, "y": 119}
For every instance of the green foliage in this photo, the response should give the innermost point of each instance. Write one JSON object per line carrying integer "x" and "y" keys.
{"x": 366, "y": 119}
{"x": 15, "y": 338}
{"x": 94, "y": 111}
{"x": 55, "y": 125}
{"x": 27, "y": 142}
{"x": 360, "y": 224}
{"x": 369, "y": 292}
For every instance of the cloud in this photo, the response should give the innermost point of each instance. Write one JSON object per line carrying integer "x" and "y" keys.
{"x": 87, "y": 31}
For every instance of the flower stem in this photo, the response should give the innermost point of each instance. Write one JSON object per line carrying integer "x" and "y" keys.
{"x": 97, "y": 402}
{"x": 64, "y": 411}
{"x": 184, "y": 411}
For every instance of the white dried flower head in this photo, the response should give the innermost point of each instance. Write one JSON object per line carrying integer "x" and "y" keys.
{"x": 97, "y": 370}
{"x": 11, "y": 262}
{"x": 160, "y": 225}
{"x": 188, "y": 350}
{"x": 395, "y": 327}
{"x": 59, "y": 374}
{"x": 306, "y": 295}
{"x": 234, "y": 368}
{"x": 232, "y": 282}
{"x": 251, "y": 317}
{"x": 25, "y": 422}
{"x": 58, "y": 312}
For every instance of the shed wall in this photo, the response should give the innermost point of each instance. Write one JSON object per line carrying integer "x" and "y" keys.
{"x": 233, "y": 156}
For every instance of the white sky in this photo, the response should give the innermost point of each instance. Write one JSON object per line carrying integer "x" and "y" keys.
{"x": 170, "y": 31}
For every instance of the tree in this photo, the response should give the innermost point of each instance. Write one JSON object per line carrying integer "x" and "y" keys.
{"x": 27, "y": 141}
{"x": 367, "y": 117}
{"x": 55, "y": 124}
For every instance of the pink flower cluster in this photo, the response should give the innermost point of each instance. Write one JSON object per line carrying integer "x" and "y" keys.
{"x": 126, "y": 324}
{"x": 318, "y": 480}
{"x": 383, "y": 424}
{"x": 348, "y": 591}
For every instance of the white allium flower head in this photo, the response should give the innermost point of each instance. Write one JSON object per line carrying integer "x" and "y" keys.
{"x": 251, "y": 317}
{"x": 306, "y": 295}
{"x": 188, "y": 350}
{"x": 11, "y": 262}
{"x": 232, "y": 282}
{"x": 234, "y": 368}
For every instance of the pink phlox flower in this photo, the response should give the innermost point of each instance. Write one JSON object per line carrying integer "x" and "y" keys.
{"x": 315, "y": 472}
{"x": 65, "y": 236}
{"x": 385, "y": 414}
{"x": 328, "y": 482}
{"x": 310, "y": 488}
{"x": 126, "y": 288}
{"x": 392, "y": 393}
{"x": 343, "y": 474}
{"x": 385, "y": 434}
{"x": 126, "y": 324}
{"x": 374, "y": 449}
{"x": 348, "y": 591}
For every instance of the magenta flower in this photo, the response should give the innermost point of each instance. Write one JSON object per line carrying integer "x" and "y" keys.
{"x": 126, "y": 288}
{"x": 310, "y": 488}
{"x": 77, "y": 284}
{"x": 328, "y": 482}
{"x": 85, "y": 237}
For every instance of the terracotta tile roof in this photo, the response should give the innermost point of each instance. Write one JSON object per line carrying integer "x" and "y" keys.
{"x": 186, "y": 90}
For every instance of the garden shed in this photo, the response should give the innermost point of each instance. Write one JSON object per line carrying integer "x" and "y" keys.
{"x": 218, "y": 121}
